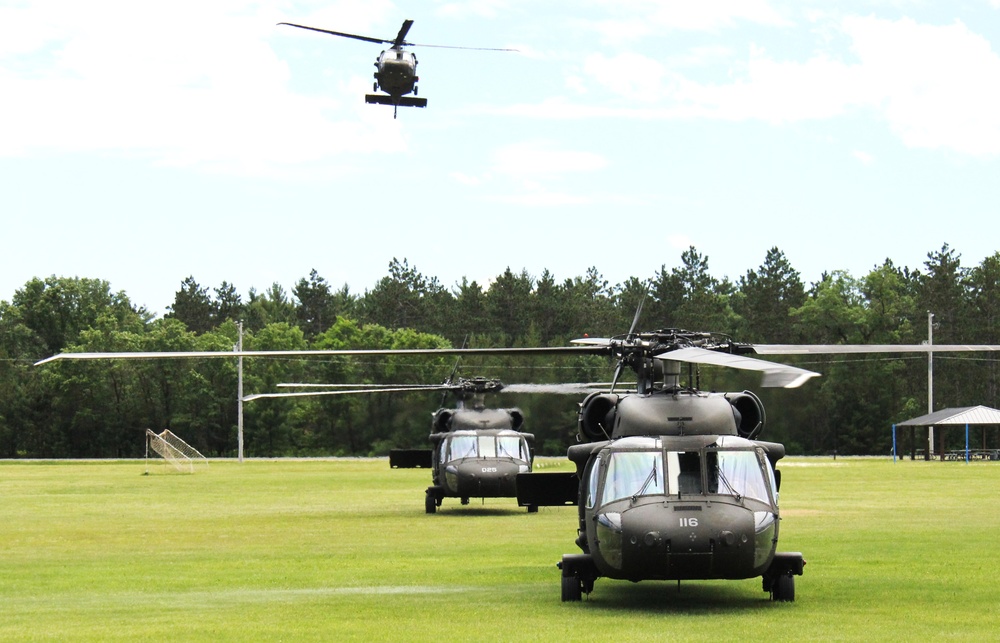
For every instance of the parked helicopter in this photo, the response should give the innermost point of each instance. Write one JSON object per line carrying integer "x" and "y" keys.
{"x": 477, "y": 452}
{"x": 671, "y": 482}
{"x": 395, "y": 68}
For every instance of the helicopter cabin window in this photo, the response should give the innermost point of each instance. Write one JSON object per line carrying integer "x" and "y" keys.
{"x": 462, "y": 446}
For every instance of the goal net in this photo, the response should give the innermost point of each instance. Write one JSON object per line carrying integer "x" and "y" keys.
{"x": 174, "y": 450}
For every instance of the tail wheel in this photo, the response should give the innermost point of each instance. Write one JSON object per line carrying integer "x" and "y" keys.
{"x": 532, "y": 509}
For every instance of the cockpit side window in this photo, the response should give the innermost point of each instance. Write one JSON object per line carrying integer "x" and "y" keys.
{"x": 593, "y": 478}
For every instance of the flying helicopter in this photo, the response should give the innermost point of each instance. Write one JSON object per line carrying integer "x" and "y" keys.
{"x": 476, "y": 451}
{"x": 395, "y": 68}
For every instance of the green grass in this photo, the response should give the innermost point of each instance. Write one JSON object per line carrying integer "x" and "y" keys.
{"x": 323, "y": 550}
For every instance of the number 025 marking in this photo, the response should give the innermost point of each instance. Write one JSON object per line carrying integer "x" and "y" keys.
{"x": 689, "y": 522}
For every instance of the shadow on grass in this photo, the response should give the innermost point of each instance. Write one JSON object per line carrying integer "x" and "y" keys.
{"x": 460, "y": 511}
{"x": 664, "y": 597}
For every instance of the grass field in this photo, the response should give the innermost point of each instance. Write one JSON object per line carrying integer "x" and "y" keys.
{"x": 342, "y": 550}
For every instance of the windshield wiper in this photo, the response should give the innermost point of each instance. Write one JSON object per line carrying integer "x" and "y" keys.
{"x": 725, "y": 481}
{"x": 650, "y": 478}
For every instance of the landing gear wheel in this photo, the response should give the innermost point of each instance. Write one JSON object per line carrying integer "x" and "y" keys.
{"x": 465, "y": 501}
{"x": 430, "y": 504}
{"x": 783, "y": 588}
{"x": 532, "y": 509}
{"x": 572, "y": 589}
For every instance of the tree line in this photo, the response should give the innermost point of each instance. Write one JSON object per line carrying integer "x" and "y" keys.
{"x": 102, "y": 408}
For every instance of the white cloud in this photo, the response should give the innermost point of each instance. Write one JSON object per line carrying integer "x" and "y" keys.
{"x": 938, "y": 86}
{"x": 628, "y": 74}
{"x": 646, "y": 18}
{"x": 935, "y": 86}
{"x": 863, "y": 157}
{"x": 182, "y": 84}
{"x": 540, "y": 158}
{"x": 476, "y": 8}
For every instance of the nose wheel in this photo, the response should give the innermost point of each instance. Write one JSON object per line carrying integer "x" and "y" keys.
{"x": 572, "y": 589}
{"x": 783, "y": 588}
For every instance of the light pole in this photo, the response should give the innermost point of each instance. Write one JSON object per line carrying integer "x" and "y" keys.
{"x": 239, "y": 393}
{"x": 930, "y": 381}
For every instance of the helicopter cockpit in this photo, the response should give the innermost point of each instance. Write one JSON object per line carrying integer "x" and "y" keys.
{"x": 645, "y": 466}
{"x": 462, "y": 445}
{"x": 681, "y": 507}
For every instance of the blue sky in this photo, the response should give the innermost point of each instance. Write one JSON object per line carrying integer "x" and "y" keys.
{"x": 145, "y": 142}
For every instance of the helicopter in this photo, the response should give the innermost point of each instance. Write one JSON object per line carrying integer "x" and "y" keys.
{"x": 476, "y": 452}
{"x": 671, "y": 482}
{"x": 395, "y": 68}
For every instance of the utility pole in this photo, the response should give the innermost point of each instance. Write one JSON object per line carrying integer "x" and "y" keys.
{"x": 239, "y": 393}
{"x": 930, "y": 381}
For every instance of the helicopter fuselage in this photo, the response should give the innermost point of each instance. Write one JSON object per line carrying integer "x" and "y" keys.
{"x": 675, "y": 490}
{"x": 675, "y": 508}
{"x": 396, "y": 72}
{"x": 476, "y": 453}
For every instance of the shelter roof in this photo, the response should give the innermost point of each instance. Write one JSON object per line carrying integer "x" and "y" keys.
{"x": 961, "y": 415}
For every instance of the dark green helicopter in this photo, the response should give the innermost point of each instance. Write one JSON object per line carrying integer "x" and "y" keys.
{"x": 671, "y": 482}
{"x": 476, "y": 451}
{"x": 395, "y": 68}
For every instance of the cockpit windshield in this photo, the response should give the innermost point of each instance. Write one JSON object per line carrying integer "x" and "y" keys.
{"x": 485, "y": 446}
{"x": 737, "y": 473}
{"x": 626, "y": 474}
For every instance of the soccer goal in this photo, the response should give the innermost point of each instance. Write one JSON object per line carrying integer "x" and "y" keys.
{"x": 174, "y": 450}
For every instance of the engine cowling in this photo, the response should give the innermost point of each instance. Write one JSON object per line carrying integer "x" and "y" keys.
{"x": 749, "y": 413}
{"x": 597, "y": 416}
{"x": 441, "y": 421}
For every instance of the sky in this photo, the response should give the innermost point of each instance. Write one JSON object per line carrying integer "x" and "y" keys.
{"x": 146, "y": 142}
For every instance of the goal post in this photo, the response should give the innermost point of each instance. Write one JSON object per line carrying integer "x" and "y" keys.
{"x": 174, "y": 450}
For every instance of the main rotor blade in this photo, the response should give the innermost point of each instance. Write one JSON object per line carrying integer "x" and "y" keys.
{"x": 558, "y": 389}
{"x": 373, "y": 387}
{"x": 775, "y": 375}
{"x": 550, "y": 350}
{"x": 341, "y": 33}
{"x": 848, "y": 349}
{"x": 249, "y": 398}
{"x": 592, "y": 341}
{"x": 638, "y": 313}
{"x": 416, "y": 44}
{"x": 399, "y": 41}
